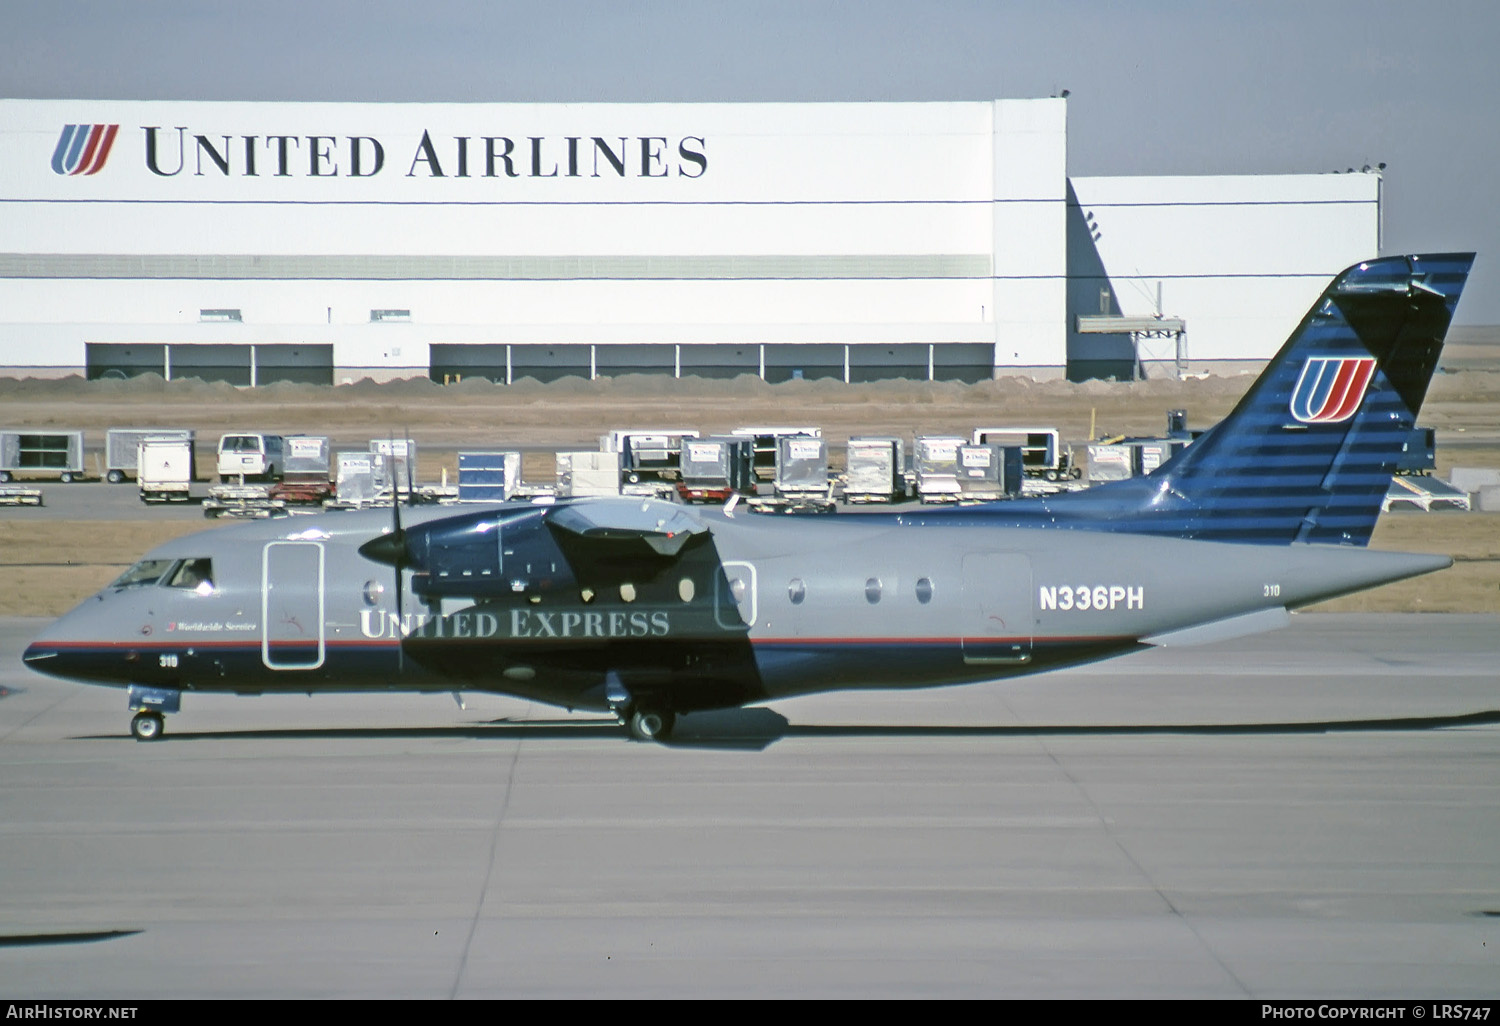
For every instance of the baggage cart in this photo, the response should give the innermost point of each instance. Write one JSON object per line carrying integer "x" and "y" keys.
{"x": 28, "y": 453}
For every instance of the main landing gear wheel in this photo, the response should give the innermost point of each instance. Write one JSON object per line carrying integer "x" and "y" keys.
{"x": 651, "y": 724}
{"x": 147, "y": 726}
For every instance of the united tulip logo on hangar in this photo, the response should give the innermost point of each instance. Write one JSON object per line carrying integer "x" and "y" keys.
{"x": 83, "y": 149}
{"x": 169, "y": 152}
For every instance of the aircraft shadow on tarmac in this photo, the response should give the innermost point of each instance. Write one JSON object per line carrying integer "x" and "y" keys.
{"x": 757, "y": 729}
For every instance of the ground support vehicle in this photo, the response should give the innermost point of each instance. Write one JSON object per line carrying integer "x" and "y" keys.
{"x": 122, "y": 450}
{"x": 30, "y": 453}
{"x": 164, "y": 469}
{"x": 1043, "y": 452}
{"x": 250, "y": 456}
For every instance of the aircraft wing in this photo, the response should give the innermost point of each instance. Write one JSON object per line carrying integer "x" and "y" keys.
{"x": 663, "y": 527}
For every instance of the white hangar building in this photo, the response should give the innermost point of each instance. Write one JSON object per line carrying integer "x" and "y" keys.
{"x": 328, "y": 242}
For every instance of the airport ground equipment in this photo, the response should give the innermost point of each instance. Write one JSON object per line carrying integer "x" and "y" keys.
{"x": 647, "y": 455}
{"x": 875, "y": 470}
{"x": 359, "y": 481}
{"x": 305, "y": 482}
{"x": 764, "y": 445}
{"x": 242, "y": 501}
{"x": 251, "y": 456}
{"x": 164, "y": 469}
{"x": 33, "y": 453}
{"x": 1118, "y": 459}
{"x": 802, "y": 468}
{"x": 936, "y": 461}
{"x": 1424, "y": 492}
{"x": 1043, "y": 452}
{"x": 20, "y": 495}
{"x": 1419, "y": 454}
{"x": 488, "y": 476}
{"x": 588, "y": 473}
{"x": 715, "y": 468}
{"x": 986, "y": 473}
{"x": 400, "y": 459}
{"x": 122, "y": 449}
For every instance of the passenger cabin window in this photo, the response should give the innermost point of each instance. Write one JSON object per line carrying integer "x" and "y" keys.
{"x": 796, "y": 591}
{"x": 924, "y": 590}
{"x": 872, "y": 590}
{"x": 193, "y": 575}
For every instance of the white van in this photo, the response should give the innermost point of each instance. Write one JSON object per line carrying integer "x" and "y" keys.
{"x": 258, "y": 457}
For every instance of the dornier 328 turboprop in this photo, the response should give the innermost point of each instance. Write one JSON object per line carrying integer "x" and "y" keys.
{"x": 650, "y": 609}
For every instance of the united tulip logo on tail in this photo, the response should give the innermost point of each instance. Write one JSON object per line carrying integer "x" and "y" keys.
{"x": 1331, "y": 388}
{"x": 83, "y": 149}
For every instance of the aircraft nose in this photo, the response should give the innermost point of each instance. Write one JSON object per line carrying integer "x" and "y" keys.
{"x": 43, "y": 656}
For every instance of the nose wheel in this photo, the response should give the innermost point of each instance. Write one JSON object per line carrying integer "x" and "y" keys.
{"x": 147, "y": 726}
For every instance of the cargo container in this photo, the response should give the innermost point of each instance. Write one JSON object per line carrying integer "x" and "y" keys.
{"x": 713, "y": 469}
{"x": 588, "y": 473}
{"x": 802, "y": 467}
{"x": 401, "y": 461}
{"x": 1130, "y": 457}
{"x": 33, "y": 453}
{"x": 488, "y": 476}
{"x": 874, "y": 470}
{"x": 305, "y": 480}
{"x": 359, "y": 479}
{"x": 988, "y": 472}
{"x": 764, "y": 445}
{"x": 122, "y": 449}
{"x": 936, "y": 462}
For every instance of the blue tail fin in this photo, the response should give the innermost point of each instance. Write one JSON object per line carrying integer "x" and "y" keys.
{"x": 1307, "y": 454}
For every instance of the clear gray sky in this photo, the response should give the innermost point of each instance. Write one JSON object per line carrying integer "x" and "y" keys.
{"x": 1157, "y": 86}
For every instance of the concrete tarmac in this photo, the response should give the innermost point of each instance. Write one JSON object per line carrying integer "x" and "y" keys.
{"x": 1313, "y": 813}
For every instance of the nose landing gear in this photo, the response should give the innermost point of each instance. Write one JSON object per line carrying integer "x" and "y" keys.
{"x": 149, "y": 704}
{"x": 147, "y": 726}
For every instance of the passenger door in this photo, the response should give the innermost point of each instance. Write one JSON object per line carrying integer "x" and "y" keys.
{"x": 997, "y": 613}
{"x": 291, "y": 605}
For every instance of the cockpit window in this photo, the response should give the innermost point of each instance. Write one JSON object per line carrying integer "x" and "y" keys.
{"x": 147, "y": 571}
{"x": 194, "y": 574}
